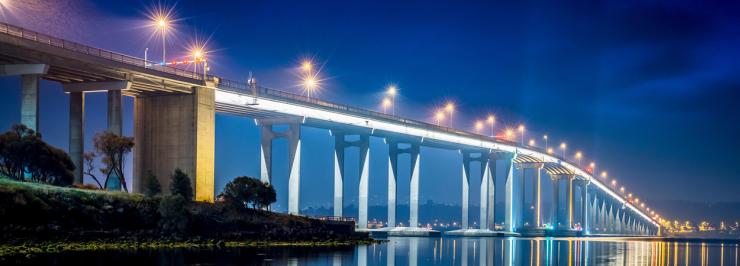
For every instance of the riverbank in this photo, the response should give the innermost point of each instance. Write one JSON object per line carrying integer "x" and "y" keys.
{"x": 38, "y": 218}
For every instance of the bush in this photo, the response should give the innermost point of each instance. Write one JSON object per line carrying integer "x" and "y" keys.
{"x": 173, "y": 214}
{"x": 244, "y": 191}
{"x": 180, "y": 185}
{"x": 23, "y": 154}
{"x": 151, "y": 185}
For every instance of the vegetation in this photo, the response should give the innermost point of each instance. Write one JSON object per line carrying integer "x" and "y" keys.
{"x": 151, "y": 185}
{"x": 243, "y": 192}
{"x": 173, "y": 214}
{"x": 112, "y": 149}
{"x": 180, "y": 185}
{"x": 23, "y": 155}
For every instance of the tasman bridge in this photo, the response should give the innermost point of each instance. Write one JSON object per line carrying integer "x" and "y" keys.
{"x": 174, "y": 126}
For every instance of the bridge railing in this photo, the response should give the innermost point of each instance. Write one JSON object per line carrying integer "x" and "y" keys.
{"x": 97, "y": 52}
{"x": 242, "y": 87}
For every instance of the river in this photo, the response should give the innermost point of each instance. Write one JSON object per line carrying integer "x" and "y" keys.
{"x": 429, "y": 251}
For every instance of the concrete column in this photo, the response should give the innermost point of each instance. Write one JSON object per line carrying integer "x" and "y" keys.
{"x": 392, "y": 176}
{"x": 491, "y": 180}
{"x": 30, "y": 102}
{"x": 509, "y": 181}
{"x": 555, "y": 201}
{"x": 77, "y": 133}
{"x": 584, "y": 206}
{"x": 114, "y": 126}
{"x": 522, "y": 215}
{"x": 414, "y": 187}
{"x": 115, "y": 117}
{"x": 484, "y": 195}
{"x": 176, "y": 131}
{"x": 294, "y": 173}
{"x": 338, "y": 174}
{"x": 465, "y": 189}
{"x": 569, "y": 202}
{"x": 266, "y": 136}
{"x": 364, "y": 179}
{"x": 538, "y": 197}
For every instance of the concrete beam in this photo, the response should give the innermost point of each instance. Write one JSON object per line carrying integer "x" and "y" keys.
{"x": 99, "y": 86}
{"x": 23, "y": 69}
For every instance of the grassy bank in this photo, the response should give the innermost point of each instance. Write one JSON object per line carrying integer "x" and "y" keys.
{"x": 41, "y": 218}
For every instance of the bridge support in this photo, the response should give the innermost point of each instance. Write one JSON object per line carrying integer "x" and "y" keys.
{"x": 30, "y": 77}
{"x": 176, "y": 131}
{"x": 76, "y": 93}
{"x": 363, "y": 144}
{"x": 293, "y": 134}
{"x": 509, "y": 189}
{"x": 467, "y": 159}
{"x": 585, "y": 206}
{"x": 534, "y": 220}
{"x": 393, "y": 152}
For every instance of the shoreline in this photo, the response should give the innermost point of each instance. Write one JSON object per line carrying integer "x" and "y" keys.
{"x": 29, "y": 249}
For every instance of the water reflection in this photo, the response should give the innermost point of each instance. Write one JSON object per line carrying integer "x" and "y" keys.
{"x": 429, "y": 251}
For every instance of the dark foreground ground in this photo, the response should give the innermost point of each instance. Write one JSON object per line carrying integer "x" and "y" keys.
{"x": 37, "y": 218}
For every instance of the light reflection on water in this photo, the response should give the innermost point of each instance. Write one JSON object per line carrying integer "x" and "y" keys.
{"x": 427, "y": 251}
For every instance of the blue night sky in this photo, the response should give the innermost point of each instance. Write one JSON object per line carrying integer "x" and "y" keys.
{"x": 647, "y": 89}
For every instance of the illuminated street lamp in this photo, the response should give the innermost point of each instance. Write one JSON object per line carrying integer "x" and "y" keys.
{"x": 614, "y": 182}
{"x": 563, "y": 146}
{"x": 386, "y": 102}
{"x": 306, "y": 66}
{"x": 491, "y": 121}
{"x": 531, "y": 143}
{"x": 549, "y": 151}
{"x": 310, "y": 83}
{"x": 579, "y": 155}
{"x": 545, "y": 138}
{"x": 440, "y": 115}
{"x": 478, "y": 126}
{"x": 509, "y": 134}
{"x": 592, "y": 165}
{"x": 392, "y": 91}
{"x": 450, "y": 108}
{"x": 162, "y": 23}
{"x": 521, "y": 131}
{"x": 604, "y": 174}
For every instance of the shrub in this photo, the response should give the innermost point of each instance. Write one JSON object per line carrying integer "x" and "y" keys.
{"x": 173, "y": 214}
{"x": 180, "y": 185}
{"x": 23, "y": 154}
{"x": 244, "y": 191}
{"x": 151, "y": 185}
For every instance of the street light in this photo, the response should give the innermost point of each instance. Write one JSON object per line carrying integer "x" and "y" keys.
{"x": 386, "y": 102}
{"x": 162, "y": 23}
{"x": 307, "y": 66}
{"x": 604, "y": 174}
{"x": 593, "y": 167}
{"x": 478, "y": 126}
{"x": 440, "y": 116}
{"x": 450, "y": 108}
{"x": 579, "y": 155}
{"x": 563, "y": 146}
{"x": 531, "y": 143}
{"x": 545, "y": 138}
{"x": 491, "y": 121}
{"x": 521, "y": 131}
{"x": 392, "y": 90}
{"x": 509, "y": 134}
{"x": 309, "y": 83}
{"x": 549, "y": 151}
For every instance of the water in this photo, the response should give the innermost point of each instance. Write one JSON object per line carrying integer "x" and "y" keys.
{"x": 429, "y": 251}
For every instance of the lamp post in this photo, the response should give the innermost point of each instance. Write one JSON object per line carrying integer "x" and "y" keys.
{"x": 491, "y": 121}
{"x": 545, "y": 138}
{"x": 521, "y": 132}
{"x": 450, "y": 108}
{"x": 386, "y": 102}
{"x": 563, "y": 146}
{"x": 162, "y": 24}
{"x": 392, "y": 90}
{"x": 579, "y": 155}
{"x": 439, "y": 116}
{"x": 309, "y": 80}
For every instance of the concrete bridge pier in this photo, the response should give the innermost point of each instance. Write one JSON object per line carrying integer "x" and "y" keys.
{"x": 393, "y": 152}
{"x": 30, "y": 77}
{"x": 293, "y": 134}
{"x": 340, "y": 144}
{"x": 176, "y": 130}
{"x": 77, "y": 93}
{"x": 585, "y": 206}
{"x": 467, "y": 159}
{"x": 530, "y": 214}
{"x": 510, "y": 216}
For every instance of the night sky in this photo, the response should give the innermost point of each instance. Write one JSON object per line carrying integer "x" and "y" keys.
{"x": 647, "y": 89}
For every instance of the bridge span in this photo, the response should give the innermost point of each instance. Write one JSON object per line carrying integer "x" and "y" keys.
{"x": 174, "y": 127}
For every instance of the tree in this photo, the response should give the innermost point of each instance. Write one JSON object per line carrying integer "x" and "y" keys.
{"x": 173, "y": 214}
{"x": 243, "y": 192}
{"x": 24, "y": 155}
{"x": 89, "y": 161}
{"x": 151, "y": 185}
{"x": 180, "y": 185}
{"x": 113, "y": 149}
